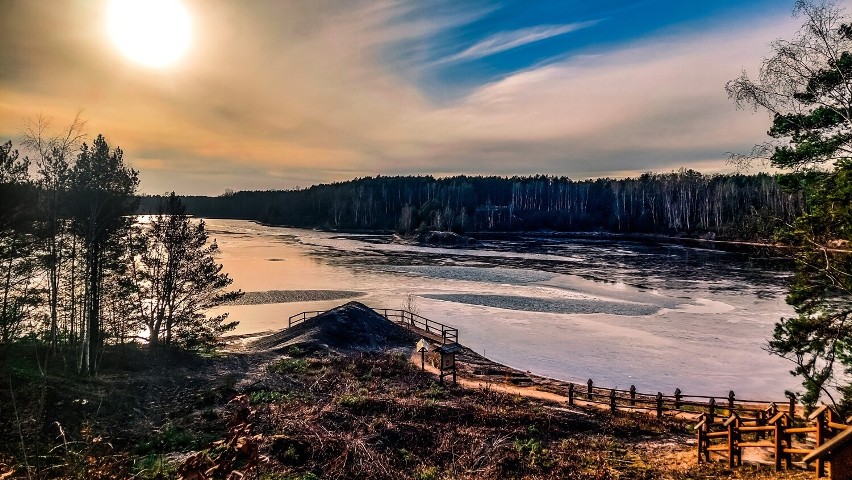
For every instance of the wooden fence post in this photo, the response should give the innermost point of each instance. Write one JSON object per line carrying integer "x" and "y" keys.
{"x": 711, "y": 411}
{"x": 632, "y": 394}
{"x": 733, "y": 424}
{"x": 590, "y": 383}
{"x": 778, "y": 445}
{"x": 677, "y": 396}
{"x": 699, "y": 428}
{"x": 788, "y": 437}
{"x": 792, "y": 397}
{"x": 730, "y": 443}
{"x": 612, "y": 400}
{"x": 659, "y": 404}
{"x": 781, "y": 421}
{"x": 731, "y": 399}
{"x": 571, "y": 394}
{"x": 818, "y": 441}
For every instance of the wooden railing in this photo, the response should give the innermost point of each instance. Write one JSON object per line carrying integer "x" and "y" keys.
{"x": 413, "y": 321}
{"x": 301, "y": 317}
{"x": 661, "y": 405}
{"x": 410, "y": 320}
{"x": 729, "y": 425}
{"x": 774, "y": 430}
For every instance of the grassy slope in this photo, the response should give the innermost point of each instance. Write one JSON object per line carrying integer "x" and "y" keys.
{"x": 305, "y": 417}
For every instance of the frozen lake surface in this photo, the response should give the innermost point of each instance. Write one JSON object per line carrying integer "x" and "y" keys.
{"x": 621, "y": 312}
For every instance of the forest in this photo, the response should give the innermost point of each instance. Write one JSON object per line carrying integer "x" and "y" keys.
{"x": 732, "y": 206}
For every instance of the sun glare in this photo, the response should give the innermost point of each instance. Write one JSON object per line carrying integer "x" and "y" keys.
{"x": 154, "y": 33}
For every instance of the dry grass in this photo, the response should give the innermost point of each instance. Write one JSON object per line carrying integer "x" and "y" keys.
{"x": 309, "y": 417}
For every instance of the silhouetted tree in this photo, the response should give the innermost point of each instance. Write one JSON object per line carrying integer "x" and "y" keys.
{"x": 52, "y": 154}
{"x": 102, "y": 198}
{"x": 178, "y": 279}
{"x": 17, "y": 263}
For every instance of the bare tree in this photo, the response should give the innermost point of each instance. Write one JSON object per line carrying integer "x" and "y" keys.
{"x": 791, "y": 85}
{"x": 53, "y": 153}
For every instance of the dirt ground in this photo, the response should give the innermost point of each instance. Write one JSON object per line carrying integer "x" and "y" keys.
{"x": 338, "y": 397}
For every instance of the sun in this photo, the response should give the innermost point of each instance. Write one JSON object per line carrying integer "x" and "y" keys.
{"x": 154, "y": 33}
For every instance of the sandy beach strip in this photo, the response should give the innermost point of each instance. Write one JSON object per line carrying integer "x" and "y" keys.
{"x": 286, "y": 296}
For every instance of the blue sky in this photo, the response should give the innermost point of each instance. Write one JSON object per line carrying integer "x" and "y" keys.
{"x": 508, "y": 36}
{"x": 280, "y": 94}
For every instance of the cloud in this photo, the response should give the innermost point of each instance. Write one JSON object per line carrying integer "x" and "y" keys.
{"x": 503, "y": 41}
{"x": 295, "y": 93}
{"x": 649, "y": 105}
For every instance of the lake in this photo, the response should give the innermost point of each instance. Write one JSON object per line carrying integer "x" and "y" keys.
{"x": 658, "y": 316}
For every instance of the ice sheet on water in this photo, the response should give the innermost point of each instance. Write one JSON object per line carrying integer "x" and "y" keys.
{"x": 547, "y": 305}
{"x": 615, "y": 291}
{"x": 511, "y": 276}
{"x": 713, "y": 310}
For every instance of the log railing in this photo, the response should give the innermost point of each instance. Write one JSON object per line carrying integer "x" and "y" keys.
{"x": 729, "y": 436}
{"x": 413, "y": 321}
{"x": 670, "y": 405}
{"x": 405, "y": 318}
{"x": 302, "y": 316}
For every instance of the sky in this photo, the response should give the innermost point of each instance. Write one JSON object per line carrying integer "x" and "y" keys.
{"x": 274, "y": 94}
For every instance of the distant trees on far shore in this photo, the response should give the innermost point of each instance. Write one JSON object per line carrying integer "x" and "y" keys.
{"x": 728, "y": 206}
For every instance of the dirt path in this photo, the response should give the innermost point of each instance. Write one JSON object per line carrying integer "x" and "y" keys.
{"x": 752, "y": 455}
{"x": 479, "y": 384}
{"x": 533, "y": 392}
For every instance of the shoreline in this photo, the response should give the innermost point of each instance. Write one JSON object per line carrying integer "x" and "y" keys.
{"x": 691, "y": 241}
{"x": 477, "y": 371}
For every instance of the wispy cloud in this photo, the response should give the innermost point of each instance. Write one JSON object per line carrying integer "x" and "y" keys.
{"x": 503, "y": 41}
{"x": 312, "y": 95}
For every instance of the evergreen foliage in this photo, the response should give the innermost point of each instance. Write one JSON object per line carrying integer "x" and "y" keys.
{"x": 176, "y": 278}
{"x": 807, "y": 85}
{"x": 78, "y": 269}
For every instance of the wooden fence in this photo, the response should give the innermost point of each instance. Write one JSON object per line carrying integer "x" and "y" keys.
{"x": 407, "y": 319}
{"x": 785, "y": 435}
{"x": 415, "y": 322}
{"x": 675, "y": 404}
{"x": 301, "y": 317}
{"x": 728, "y": 425}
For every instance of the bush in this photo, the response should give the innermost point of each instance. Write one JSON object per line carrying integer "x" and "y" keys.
{"x": 289, "y": 366}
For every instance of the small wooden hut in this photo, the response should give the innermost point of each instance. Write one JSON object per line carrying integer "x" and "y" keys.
{"x": 448, "y": 360}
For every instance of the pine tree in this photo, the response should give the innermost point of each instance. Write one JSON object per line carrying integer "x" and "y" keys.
{"x": 178, "y": 279}
{"x": 807, "y": 86}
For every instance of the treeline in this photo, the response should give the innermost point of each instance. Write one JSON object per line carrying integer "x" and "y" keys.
{"x": 78, "y": 270}
{"x": 728, "y": 206}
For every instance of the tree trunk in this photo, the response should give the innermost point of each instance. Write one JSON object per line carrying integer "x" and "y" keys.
{"x": 94, "y": 305}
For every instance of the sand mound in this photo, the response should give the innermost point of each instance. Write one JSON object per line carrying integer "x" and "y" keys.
{"x": 350, "y": 328}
